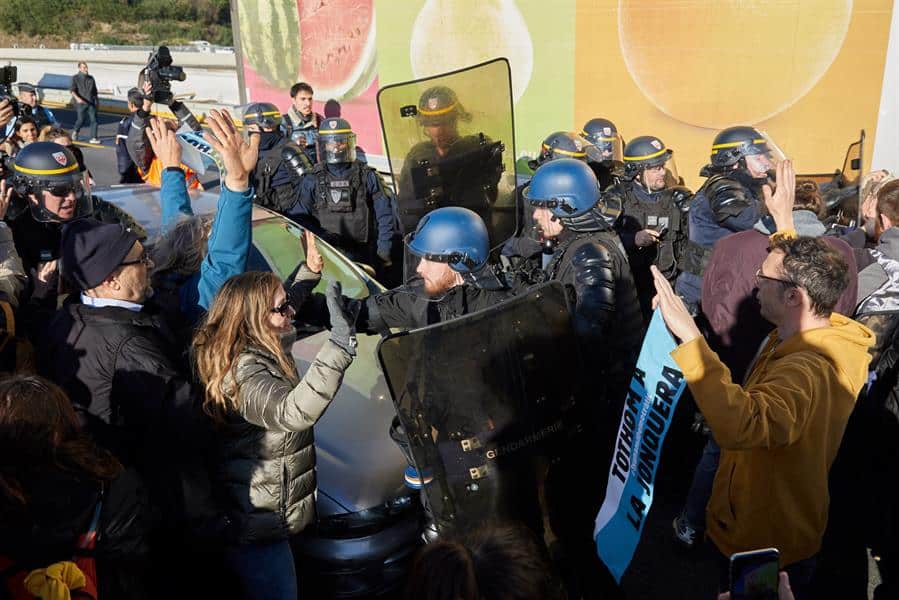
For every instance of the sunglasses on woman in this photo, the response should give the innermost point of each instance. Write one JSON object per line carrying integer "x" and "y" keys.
{"x": 283, "y": 308}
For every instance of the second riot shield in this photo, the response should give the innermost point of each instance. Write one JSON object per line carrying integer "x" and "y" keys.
{"x": 488, "y": 402}
{"x": 450, "y": 142}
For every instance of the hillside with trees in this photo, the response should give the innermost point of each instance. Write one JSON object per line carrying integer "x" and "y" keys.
{"x": 56, "y": 24}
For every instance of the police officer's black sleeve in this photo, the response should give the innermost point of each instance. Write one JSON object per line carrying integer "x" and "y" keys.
{"x": 382, "y": 203}
{"x": 732, "y": 204}
{"x": 594, "y": 268}
{"x": 137, "y": 143}
{"x": 378, "y": 313}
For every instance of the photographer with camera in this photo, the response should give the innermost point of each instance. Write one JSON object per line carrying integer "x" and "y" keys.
{"x": 84, "y": 93}
{"x": 30, "y": 106}
{"x": 155, "y": 83}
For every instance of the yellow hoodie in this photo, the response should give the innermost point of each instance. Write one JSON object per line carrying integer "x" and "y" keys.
{"x": 779, "y": 434}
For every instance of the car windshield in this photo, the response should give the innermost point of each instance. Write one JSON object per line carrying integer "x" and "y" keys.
{"x": 278, "y": 240}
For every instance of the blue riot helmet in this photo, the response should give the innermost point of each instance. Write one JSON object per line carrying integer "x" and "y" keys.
{"x": 264, "y": 114}
{"x": 570, "y": 190}
{"x": 561, "y": 144}
{"x": 603, "y": 134}
{"x": 732, "y": 145}
{"x": 452, "y": 235}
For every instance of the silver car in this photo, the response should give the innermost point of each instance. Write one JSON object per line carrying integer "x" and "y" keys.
{"x": 369, "y": 523}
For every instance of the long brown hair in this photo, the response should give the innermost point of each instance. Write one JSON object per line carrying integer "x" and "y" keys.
{"x": 238, "y": 319}
{"x": 39, "y": 429}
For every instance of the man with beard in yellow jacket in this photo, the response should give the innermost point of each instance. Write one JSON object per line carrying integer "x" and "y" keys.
{"x": 780, "y": 431}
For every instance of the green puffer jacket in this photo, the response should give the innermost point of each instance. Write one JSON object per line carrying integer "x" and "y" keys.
{"x": 265, "y": 467}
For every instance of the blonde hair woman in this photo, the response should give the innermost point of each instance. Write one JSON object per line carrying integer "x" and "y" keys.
{"x": 265, "y": 411}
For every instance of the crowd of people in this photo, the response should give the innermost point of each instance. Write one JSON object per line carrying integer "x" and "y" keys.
{"x": 154, "y": 427}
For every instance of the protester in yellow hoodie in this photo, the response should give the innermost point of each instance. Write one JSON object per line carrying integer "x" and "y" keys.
{"x": 780, "y": 431}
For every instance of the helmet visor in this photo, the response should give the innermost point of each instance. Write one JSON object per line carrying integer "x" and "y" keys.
{"x": 657, "y": 175}
{"x": 604, "y": 148}
{"x": 337, "y": 147}
{"x": 61, "y": 200}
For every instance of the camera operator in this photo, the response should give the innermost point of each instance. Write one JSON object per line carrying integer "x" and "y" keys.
{"x": 30, "y": 106}
{"x": 155, "y": 83}
{"x": 148, "y": 165}
{"x": 84, "y": 93}
{"x": 128, "y": 172}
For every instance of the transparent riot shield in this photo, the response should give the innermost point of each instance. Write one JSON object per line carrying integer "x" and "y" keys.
{"x": 450, "y": 141}
{"x": 488, "y": 401}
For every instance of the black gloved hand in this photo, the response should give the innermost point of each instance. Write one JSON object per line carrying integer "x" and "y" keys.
{"x": 343, "y": 313}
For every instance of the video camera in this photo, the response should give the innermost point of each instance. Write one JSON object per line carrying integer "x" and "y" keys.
{"x": 8, "y": 76}
{"x": 160, "y": 73}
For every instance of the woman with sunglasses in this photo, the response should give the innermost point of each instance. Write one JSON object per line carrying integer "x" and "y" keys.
{"x": 264, "y": 411}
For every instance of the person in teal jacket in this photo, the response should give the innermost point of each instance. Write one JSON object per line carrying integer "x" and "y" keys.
{"x": 195, "y": 257}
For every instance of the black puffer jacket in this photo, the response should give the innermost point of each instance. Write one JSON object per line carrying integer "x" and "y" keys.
{"x": 120, "y": 370}
{"x": 265, "y": 460}
{"x": 60, "y": 508}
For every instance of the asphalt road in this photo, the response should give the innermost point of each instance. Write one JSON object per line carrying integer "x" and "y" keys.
{"x": 660, "y": 568}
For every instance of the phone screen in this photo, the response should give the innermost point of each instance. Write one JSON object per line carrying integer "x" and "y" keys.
{"x": 753, "y": 575}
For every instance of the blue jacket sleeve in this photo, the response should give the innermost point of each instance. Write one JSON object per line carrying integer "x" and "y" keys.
{"x": 746, "y": 219}
{"x": 175, "y": 200}
{"x": 229, "y": 243}
{"x": 382, "y": 202}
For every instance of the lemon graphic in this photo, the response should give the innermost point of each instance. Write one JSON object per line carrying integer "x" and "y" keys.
{"x": 714, "y": 63}
{"x": 451, "y": 34}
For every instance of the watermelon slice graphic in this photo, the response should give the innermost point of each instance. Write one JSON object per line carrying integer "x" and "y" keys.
{"x": 329, "y": 44}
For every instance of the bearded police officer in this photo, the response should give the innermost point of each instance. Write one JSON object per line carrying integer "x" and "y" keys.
{"x": 653, "y": 222}
{"x": 605, "y": 156}
{"x": 730, "y": 200}
{"x": 282, "y": 164}
{"x": 349, "y": 200}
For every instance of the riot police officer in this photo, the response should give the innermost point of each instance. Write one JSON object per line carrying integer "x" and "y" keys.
{"x": 448, "y": 168}
{"x": 653, "y": 222}
{"x": 588, "y": 258}
{"x": 528, "y": 242}
{"x": 605, "y": 156}
{"x": 347, "y": 198}
{"x": 282, "y": 164}
{"x": 730, "y": 200}
{"x": 50, "y": 191}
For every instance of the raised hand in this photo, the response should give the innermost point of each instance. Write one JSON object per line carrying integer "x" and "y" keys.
{"x": 314, "y": 260}
{"x": 238, "y": 155}
{"x": 674, "y": 311}
{"x": 165, "y": 143}
{"x": 780, "y": 202}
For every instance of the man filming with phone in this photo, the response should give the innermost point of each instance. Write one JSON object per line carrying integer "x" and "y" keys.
{"x": 780, "y": 431}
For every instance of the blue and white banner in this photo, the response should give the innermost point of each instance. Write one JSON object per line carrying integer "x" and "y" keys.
{"x": 197, "y": 153}
{"x": 645, "y": 420}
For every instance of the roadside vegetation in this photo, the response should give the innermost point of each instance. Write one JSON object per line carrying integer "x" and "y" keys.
{"x": 55, "y": 24}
